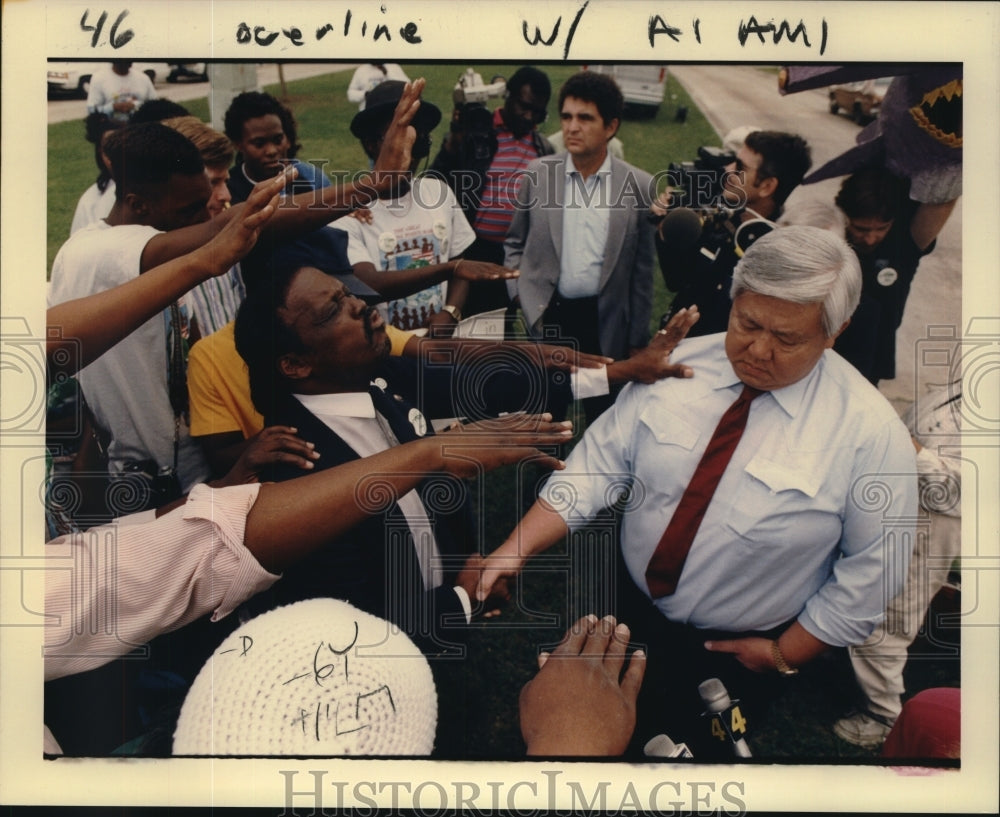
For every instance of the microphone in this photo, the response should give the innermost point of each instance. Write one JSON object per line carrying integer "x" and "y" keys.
{"x": 663, "y": 746}
{"x": 727, "y": 720}
{"x": 681, "y": 229}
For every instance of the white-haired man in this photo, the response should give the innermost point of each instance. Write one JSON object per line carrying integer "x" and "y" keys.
{"x": 805, "y": 531}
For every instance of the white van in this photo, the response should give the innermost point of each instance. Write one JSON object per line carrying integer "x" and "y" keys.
{"x": 643, "y": 85}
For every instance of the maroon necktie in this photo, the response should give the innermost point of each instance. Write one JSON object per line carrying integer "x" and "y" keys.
{"x": 664, "y": 568}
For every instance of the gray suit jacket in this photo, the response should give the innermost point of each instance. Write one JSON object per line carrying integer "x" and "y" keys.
{"x": 534, "y": 246}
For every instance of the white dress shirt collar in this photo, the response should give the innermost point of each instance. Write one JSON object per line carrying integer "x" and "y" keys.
{"x": 603, "y": 170}
{"x": 345, "y": 404}
{"x": 790, "y": 398}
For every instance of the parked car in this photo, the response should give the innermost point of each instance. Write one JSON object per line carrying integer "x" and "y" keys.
{"x": 861, "y": 100}
{"x": 643, "y": 85}
{"x": 69, "y": 78}
{"x": 195, "y": 71}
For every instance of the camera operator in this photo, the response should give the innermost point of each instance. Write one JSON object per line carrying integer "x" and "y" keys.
{"x": 734, "y": 207}
{"x": 482, "y": 156}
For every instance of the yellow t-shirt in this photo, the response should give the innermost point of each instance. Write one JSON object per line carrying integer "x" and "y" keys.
{"x": 219, "y": 385}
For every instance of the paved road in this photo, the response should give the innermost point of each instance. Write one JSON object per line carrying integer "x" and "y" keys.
{"x": 733, "y": 95}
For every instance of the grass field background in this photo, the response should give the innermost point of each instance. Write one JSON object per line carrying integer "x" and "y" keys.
{"x": 502, "y": 652}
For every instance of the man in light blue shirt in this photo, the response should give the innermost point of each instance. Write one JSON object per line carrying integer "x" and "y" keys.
{"x": 810, "y": 530}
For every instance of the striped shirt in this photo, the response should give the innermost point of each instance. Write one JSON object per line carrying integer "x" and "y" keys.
{"x": 500, "y": 190}
{"x": 216, "y": 301}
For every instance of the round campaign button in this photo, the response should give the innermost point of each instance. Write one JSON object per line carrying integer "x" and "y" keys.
{"x": 380, "y": 383}
{"x": 418, "y": 422}
{"x": 387, "y": 242}
{"x": 887, "y": 277}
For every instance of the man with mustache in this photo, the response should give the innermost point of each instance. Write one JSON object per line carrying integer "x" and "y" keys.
{"x": 318, "y": 361}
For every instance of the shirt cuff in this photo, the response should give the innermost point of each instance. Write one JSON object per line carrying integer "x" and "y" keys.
{"x": 463, "y": 597}
{"x": 589, "y": 383}
{"x": 227, "y": 510}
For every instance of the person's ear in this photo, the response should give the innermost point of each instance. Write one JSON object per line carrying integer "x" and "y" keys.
{"x": 137, "y": 205}
{"x": 833, "y": 338}
{"x": 611, "y": 129}
{"x": 294, "y": 367}
{"x": 768, "y": 187}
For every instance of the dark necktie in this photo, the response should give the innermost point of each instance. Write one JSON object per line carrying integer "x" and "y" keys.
{"x": 395, "y": 414}
{"x": 664, "y": 568}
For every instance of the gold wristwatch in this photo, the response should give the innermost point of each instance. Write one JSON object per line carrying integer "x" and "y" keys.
{"x": 780, "y": 663}
{"x": 454, "y": 311}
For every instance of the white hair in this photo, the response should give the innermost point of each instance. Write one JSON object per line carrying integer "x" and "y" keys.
{"x": 803, "y": 265}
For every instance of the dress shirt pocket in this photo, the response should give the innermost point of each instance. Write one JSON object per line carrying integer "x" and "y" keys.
{"x": 661, "y": 438}
{"x": 666, "y": 428}
{"x": 769, "y": 494}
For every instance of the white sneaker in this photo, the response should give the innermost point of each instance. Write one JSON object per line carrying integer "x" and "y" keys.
{"x": 863, "y": 729}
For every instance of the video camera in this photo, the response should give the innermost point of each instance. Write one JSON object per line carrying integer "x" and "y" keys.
{"x": 470, "y": 96}
{"x": 698, "y": 185}
{"x": 470, "y": 88}
{"x": 472, "y": 121}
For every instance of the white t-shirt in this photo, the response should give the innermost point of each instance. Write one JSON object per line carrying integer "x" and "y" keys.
{"x": 126, "y": 388}
{"x": 424, "y": 227}
{"x": 93, "y": 206}
{"x": 367, "y": 76}
{"x": 107, "y": 88}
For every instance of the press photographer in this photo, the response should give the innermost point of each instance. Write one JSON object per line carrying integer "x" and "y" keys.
{"x": 482, "y": 155}
{"x": 715, "y": 212}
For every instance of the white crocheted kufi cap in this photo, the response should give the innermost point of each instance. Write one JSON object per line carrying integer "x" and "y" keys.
{"x": 318, "y": 677}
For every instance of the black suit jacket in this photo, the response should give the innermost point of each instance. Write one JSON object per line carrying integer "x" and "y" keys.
{"x": 375, "y": 566}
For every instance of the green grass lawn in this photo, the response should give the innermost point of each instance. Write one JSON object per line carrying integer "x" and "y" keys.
{"x": 501, "y": 652}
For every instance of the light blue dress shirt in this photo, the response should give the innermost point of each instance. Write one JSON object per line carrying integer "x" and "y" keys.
{"x": 813, "y": 518}
{"x": 586, "y": 216}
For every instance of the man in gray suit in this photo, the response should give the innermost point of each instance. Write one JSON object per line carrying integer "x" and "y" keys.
{"x": 580, "y": 237}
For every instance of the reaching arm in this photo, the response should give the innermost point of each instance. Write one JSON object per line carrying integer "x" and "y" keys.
{"x": 309, "y": 211}
{"x": 400, "y": 283}
{"x": 195, "y": 561}
{"x": 321, "y": 506}
{"x": 540, "y": 528}
{"x": 91, "y": 325}
{"x": 929, "y": 220}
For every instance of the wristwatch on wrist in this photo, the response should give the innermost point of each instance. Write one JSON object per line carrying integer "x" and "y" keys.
{"x": 454, "y": 311}
{"x": 780, "y": 663}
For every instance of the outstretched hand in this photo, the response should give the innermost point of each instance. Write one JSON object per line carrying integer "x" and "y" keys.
{"x": 580, "y": 702}
{"x": 467, "y": 270}
{"x": 564, "y": 358}
{"x": 240, "y": 233}
{"x": 652, "y": 363}
{"x": 471, "y": 449}
{"x": 468, "y": 580}
{"x": 393, "y": 163}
